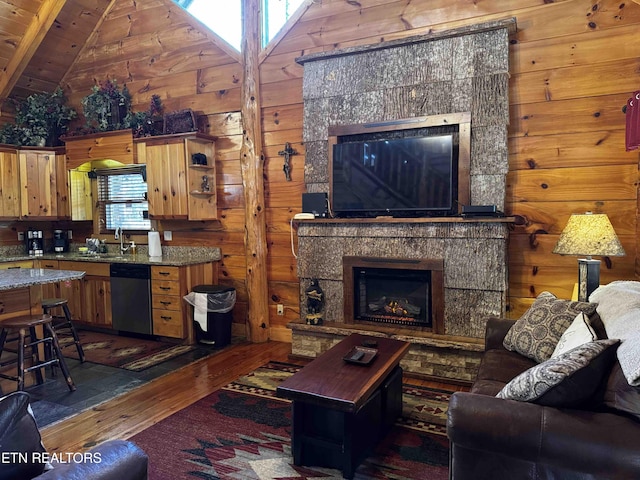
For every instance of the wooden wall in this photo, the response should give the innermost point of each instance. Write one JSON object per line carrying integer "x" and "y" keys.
{"x": 574, "y": 63}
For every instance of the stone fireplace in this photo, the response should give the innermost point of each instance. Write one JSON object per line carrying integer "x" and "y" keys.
{"x": 465, "y": 70}
{"x": 394, "y": 291}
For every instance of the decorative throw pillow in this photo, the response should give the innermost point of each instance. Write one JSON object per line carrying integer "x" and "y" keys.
{"x": 578, "y": 333}
{"x": 536, "y": 333}
{"x": 19, "y": 435}
{"x": 567, "y": 380}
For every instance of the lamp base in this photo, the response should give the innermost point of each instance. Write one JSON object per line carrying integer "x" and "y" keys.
{"x": 588, "y": 277}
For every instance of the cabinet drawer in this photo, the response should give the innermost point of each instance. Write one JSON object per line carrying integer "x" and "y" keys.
{"x": 20, "y": 264}
{"x": 159, "y": 287}
{"x": 168, "y": 323}
{"x": 92, "y": 268}
{"x": 165, "y": 273}
{"x": 48, "y": 264}
{"x": 167, "y": 302}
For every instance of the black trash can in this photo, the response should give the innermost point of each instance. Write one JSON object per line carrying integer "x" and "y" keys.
{"x": 220, "y": 301}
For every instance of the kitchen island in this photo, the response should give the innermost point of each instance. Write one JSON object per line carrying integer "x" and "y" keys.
{"x": 21, "y": 292}
{"x": 21, "y": 289}
{"x": 17, "y": 278}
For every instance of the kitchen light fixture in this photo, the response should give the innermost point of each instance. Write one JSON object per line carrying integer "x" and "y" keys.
{"x": 588, "y": 234}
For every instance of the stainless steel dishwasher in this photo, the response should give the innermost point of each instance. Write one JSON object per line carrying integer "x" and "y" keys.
{"x": 131, "y": 297}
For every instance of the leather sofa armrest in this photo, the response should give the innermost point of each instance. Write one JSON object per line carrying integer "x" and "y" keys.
{"x": 605, "y": 445}
{"x": 495, "y": 332}
{"x": 112, "y": 460}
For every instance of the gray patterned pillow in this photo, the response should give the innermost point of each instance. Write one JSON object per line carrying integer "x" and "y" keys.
{"x": 536, "y": 333}
{"x": 567, "y": 380}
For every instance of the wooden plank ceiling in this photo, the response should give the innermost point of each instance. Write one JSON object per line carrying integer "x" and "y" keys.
{"x": 40, "y": 41}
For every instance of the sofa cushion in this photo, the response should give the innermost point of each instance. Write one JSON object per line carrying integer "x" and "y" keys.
{"x": 568, "y": 380}
{"x": 578, "y": 333}
{"x": 619, "y": 395}
{"x": 500, "y": 365}
{"x": 619, "y": 307}
{"x": 536, "y": 333}
{"x": 19, "y": 435}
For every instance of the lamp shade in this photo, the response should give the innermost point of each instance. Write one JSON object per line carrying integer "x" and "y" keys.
{"x": 589, "y": 234}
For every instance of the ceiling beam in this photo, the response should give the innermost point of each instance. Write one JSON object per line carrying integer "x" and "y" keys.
{"x": 30, "y": 42}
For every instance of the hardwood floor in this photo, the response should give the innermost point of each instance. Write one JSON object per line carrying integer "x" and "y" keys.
{"x": 130, "y": 413}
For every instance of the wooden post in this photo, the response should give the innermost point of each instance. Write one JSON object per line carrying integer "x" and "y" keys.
{"x": 252, "y": 167}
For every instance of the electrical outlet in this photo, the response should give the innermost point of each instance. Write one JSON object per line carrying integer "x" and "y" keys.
{"x": 21, "y": 236}
{"x": 168, "y": 235}
{"x": 280, "y": 309}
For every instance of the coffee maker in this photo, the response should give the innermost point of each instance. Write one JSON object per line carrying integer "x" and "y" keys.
{"x": 60, "y": 241}
{"x": 34, "y": 243}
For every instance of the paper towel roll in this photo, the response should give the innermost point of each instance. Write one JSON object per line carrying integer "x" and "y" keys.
{"x": 155, "y": 250}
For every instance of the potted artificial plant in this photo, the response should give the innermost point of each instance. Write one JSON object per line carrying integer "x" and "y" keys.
{"x": 40, "y": 120}
{"x": 107, "y": 108}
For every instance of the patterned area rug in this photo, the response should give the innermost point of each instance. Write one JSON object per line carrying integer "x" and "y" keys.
{"x": 130, "y": 353}
{"x": 424, "y": 409}
{"x": 243, "y": 432}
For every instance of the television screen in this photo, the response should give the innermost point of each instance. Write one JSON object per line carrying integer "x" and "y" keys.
{"x": 409, "y": 176}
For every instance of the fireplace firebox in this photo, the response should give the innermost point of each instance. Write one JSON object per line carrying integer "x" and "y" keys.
{"x": 407, "y": 293}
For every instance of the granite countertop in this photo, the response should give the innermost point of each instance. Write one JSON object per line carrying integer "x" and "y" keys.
{"x": 25, "y": 277}
{"x": 173, "y": 256}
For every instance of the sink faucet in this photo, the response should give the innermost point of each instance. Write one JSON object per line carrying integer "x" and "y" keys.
{"x": 120, "y": 234}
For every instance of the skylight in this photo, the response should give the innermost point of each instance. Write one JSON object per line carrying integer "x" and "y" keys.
{"x": 226, "y": 22}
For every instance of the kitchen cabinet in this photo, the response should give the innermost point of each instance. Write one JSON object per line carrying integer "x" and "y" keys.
{"x": 178, "y": 188}
{"x": 166, "y": 297}
{"x": 70, "y": 289}
{"x": 44, "y": 188}
{"x": 16, "y": 264}
{"x": 93, "y": 298}
{"x": 9, "y": 183}
{"x": 172, "y": 315}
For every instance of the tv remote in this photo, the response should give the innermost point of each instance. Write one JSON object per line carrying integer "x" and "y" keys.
{"x": 357, "y": 356}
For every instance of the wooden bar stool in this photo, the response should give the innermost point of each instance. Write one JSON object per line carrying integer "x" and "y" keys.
{"x": 27, "y": 338}
{"x": 63, "y": 326}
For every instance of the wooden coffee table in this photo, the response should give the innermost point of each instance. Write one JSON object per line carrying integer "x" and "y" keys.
{"x": 341, "y": 408}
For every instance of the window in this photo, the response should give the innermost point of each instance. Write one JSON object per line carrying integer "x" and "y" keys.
{"x": 226, "y": 21}
{"x": 122, "y": 198}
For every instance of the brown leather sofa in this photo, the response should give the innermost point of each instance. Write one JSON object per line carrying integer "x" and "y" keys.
{"x": 25, "y": 457}
{"x": 499, "y": 439}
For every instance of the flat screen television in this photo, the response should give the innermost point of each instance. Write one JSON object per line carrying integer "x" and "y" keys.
{"x": 411, "y": 167}
{"x": 411, "y": 176}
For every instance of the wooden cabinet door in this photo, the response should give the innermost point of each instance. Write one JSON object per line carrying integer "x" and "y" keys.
{"x": 43, "y": 185}
{"x": 89, "y": 298}
{"x": 49, "y": 290}
{"x": 9, "y": 184}
{"x": 166, "y": 179}
{"x": 97, "y": 301}
{"x": 72, "y": 291}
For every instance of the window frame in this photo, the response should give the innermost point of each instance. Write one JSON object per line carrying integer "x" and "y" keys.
{"x": 105, "y": 199}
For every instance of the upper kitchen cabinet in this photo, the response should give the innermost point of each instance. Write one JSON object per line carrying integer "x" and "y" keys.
{"x": 181, "y": 177}
{"x": 34, "y": 184}
{"x": 9, "y": 183}
{"x": 44, "y": 189}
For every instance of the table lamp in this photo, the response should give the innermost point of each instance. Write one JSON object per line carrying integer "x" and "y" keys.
{"x": 588, "y": 234}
